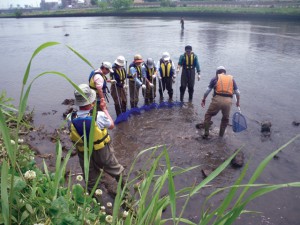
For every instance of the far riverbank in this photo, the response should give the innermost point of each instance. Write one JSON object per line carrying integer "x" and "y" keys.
{"x": 200, "y": 10}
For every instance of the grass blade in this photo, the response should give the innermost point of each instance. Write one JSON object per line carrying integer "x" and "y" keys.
{"x": 4, "y": 193}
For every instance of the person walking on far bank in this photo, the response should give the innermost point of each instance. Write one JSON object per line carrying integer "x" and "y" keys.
{"x": 166, "y": 75}
{"x": 189, "y": 63}
{"x": 224, "y": 88}
{"x": 118, "y": 88}
{"x": 102, "y": 156}
{"x": 182, "y": 23}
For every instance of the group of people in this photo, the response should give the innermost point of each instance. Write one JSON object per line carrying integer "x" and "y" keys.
{"x": 140, "y": 75}
{"x": 144, "y": 74}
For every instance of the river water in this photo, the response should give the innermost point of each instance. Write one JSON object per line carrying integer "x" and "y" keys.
{"x": 263, "y": 56}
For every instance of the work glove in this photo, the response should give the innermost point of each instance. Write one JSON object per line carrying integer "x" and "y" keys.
{"x": 199, "y": 77}
{"x": 113, "y": 81}
{"x": 151, "y": 85}
{"x": 143, "y": 86}
{"x": 153, "y": 76}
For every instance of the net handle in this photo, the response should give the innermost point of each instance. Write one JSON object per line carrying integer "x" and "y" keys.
{"x": 239, "y": 108}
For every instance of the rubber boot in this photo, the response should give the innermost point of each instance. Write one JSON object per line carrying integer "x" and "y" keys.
{"x": 206, "y": 130}
{"x": 118, "y": 111}
{"x": 132, "y": 104}
{"x": 190, "y": 97}
{"x": 170, "y": 97}
{"x": 222, "y": 131}
{"x": 181, "y": 97}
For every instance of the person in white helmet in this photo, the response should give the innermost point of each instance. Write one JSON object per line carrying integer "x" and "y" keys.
{"x": 224, "y": 88}
{"x": 118, "y": 85}
{"x": 166, "y": 74}
{"x": 98, "y": 81}
{"x": 135, "y": 77}
{"x": 150, "y": 81}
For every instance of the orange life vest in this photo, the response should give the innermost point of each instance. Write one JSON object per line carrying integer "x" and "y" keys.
{"x": 224, "y": 86}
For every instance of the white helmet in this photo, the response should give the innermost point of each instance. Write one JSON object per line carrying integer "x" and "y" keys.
{"x": 120, "y": 61}
{"x": 107, "y": 65}
{"x": 166, "y": 56}
{"x": 221, "y": 68}
{"x": 150, "y": 63}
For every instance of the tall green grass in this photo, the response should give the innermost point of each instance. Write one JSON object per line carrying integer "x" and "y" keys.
{"x": 49, "y": 199}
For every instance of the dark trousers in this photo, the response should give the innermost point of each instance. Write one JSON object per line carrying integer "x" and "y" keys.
{"x": 166, "y": 83}
{"x": 119, "y": 96}
{"x": 187, "y": 80}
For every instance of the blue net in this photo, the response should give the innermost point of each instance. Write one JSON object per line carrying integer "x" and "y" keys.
{"x": 122, "y": 117}
{"x": 238, "y": 122}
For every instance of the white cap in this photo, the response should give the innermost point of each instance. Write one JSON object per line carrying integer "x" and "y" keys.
{"x": 166, "y": 56}
{"x": 221, "y": 68}
{"x": 150, "y": 63}
{"x": 108, "y": 66}
{"x": 89, "y": 93}
{"x": 120, "y": 61}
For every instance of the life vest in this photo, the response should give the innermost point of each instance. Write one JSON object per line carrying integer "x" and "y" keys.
{"x": 138, "y": 71}
{"x": 188, "y": 62}
{"x": 120, "y": 76}
{"x": 224, "y": 86}
{"x": 101, "y": 136}
{"x": 150, "y": 72}
{"x": 92, "y": 82}
{"x": 166, "y": 69}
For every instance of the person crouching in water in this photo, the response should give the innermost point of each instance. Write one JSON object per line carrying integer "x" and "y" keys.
{"x": 150, "y": 80}
{"x": 102, "y": 156}
{"x": 224, "y": 88}
{"x": 118, "y": 86}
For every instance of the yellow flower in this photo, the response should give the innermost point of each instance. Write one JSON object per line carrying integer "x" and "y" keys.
{"x": 98, "y": 192}
{"x": 109, "y": 219}
{"x": 79, "y": 178}
{"x": 30, "y": 175}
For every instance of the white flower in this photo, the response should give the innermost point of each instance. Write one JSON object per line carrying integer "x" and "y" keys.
{"x": 125, "y": 214}
{"x": 103, "y": 213}
{"x": 31, "y": 157}
{"x": 30, "y": 175}
{"x": 12, "y": 142}
{"x": 109, "y": 218}
{"x": 102, "y": 208}
{"x": 109, "y": 205}
{"x": 38, "y": 224}
{"x": 20, "y": 141}
{"x": 79, "y": 178}
{"x": 86, "y": 193}
{"x": 98, "y": 192}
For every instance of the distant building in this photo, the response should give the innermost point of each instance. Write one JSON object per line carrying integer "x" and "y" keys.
{"x": 47, "y": 5}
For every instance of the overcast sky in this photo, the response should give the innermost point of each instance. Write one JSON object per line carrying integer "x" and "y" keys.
{"x": 34, "y": 3}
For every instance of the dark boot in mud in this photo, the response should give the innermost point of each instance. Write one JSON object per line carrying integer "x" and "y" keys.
{"x": 181, "y": 97}
{"x": 206, "y": 131}
{"x": 222, "y": 131}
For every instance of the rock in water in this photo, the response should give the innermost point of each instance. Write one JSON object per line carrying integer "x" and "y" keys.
{"x": 238, "y": 160}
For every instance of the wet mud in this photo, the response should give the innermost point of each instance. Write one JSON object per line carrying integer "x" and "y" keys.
{"x": 176, "y": 129}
